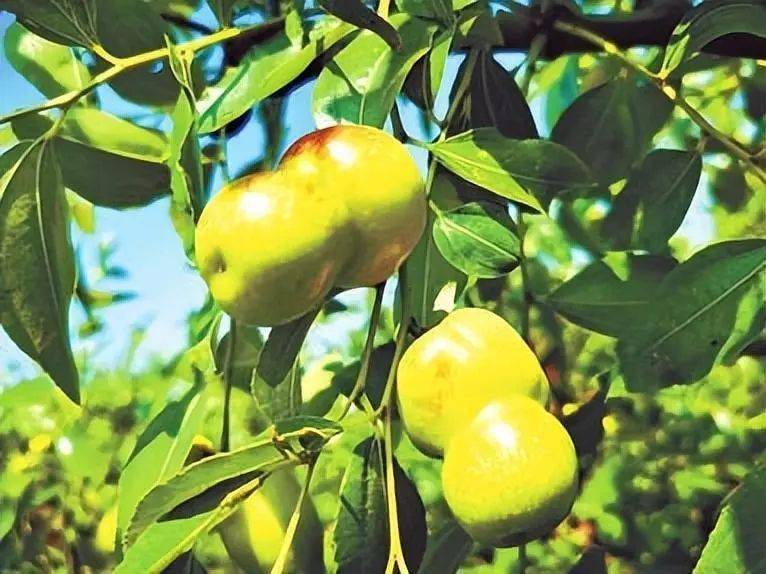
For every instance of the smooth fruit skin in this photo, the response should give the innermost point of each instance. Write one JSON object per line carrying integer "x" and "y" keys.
{"x": 511, "y": 475}
{"x": 253, "y": 535}
{"x": 270, "y": 246}
{"x": 382, "y": 188}
{"x": 447, "y": 375}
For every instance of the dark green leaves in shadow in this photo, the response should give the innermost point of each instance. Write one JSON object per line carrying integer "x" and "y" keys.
{"x": 653, "y": 203}
{"x": 37, "y": 273}
{"x": 611, "y": 127}
{"x": 709, "y": 21}
{"x": 493, "y": 100}
{"x": 610, "y": 296}
{"x": 107, "y": 160}
{"x": 446, "y": 549}
{"x": 361, "y": 83}
{"x": 691, "y": 316}
{"x": 530, "y": 172}
{"x": 361, "y": 531}
{"x": 477, "y": 239}
{"x": 356, "y": 13}
{"x": 736, "y": 543}
{"x": 69, "y": 22}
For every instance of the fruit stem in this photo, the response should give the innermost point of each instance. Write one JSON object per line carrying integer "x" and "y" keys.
{"x": 292, "y": 526}
{"x": 369, "y": 344}
{"x": 527, "y": 297}
{"x": 395, "y": 553}
{"x": 401, "y": 340}
{"x": 523, "y": 560}
{"x": 228, "y": 370}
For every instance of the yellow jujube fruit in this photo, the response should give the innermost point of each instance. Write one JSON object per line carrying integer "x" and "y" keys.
{"x": 511, "y": 475}
{"x": 451, "y": 372}
{"x": 253, "y": 535}
{"x": 344, "y": 208}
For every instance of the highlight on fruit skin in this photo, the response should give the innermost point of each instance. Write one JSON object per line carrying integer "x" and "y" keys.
{"x": 511, "y": 475}
{"x": 451, "y": 372}
{"x": 343, "y": 209}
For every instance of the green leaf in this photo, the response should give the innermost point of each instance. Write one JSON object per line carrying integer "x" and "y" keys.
{"x": 493, "y": 100}
{"x": 709, "y": 21}
{"x": 51, "y": 68}
{"x": 380, "y": 364}
{"x": 433, "y": 9}
{"x": 608, "y": 300}
{"x": 749, "y": 324}
{"x": 585, "y": 424}
{"x": 282, "y": 348}
{"x": 265, "y": 69}
{"x": 127, "y": 28}
{"x": 477, "y": 239}
{"x": 185, "y": 159}
{"x": 107, "y": 160}
{"x": 356, "y": 13}
{"x": 361, "y": 83}
{"x": 446, "y": 550}
{"x": 654, "y": 202}
{"x": 692, "y": 316}
{"x": 193, "y": 480}
{"x": 70, "y": 22}
{"x": 530, "y": 172}
{"x": 422, "y": 83}
{"x": 428, "y": 272}
{"x": 599, "y": 127}
{"x": 361, "y": 529}
{"x": 37, "y": 273}
{"x": 165, "y": 540}
{"x": 247, "y": 349}
{"x": 222, "y": 10}
{"x": 651, "y": 110}
{"x": 736, "y": 543}
{"x": 159, "y": 453}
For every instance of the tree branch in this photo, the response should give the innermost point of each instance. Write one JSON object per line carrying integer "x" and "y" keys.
{"x": 650, "y": 26}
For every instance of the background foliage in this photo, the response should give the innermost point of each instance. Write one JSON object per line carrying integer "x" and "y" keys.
{"x": 610, "y": 204}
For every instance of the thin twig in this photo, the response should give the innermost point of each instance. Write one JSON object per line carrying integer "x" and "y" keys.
{"x": 228, "y": 372}
{"x": 369, "y": 344}
{"x": 736, "y": 149}
{"x": 401, "y": 340}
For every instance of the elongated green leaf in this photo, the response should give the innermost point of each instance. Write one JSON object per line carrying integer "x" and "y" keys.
{"x": 356, "y": 13}
{"x": 428, "y": 272}
{"x": 446, "y": 550}
{"x": 159, "y": 453}
{"x": 654, "y": 202}
{"x": 435, "y": 9}
{"x": 477, "y": 239}
{"x": 692, "y": 316}
{"x": 422, "y": 83}
{"x": 736, "y": 543}
{"x": 282, "y": 348}
{"x": 363, "y": 80}
{"x": 107, "y": 160}
{"x": 37, "y": 273}
{"x": 165, "y": 540}
{"x": 361, "y": 530}
{"x": 711, "y": 20}
{"x": 264, "y": 70}
{"x": 600, "y": 129}
{"x": 71, "y": 22}
{"x": 195, "y": 479}
{"x": 222, "y": 10}
{"x": 247, "y": 349}
{"x": 530, "y": 172}
{"x": 185, "y": 159}
{"x": 50, "y": 67}
{"x": 608, "y": 300}
{"x": 493, "y": 100}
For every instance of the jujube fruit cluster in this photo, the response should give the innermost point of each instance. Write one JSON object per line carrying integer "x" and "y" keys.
{"x": 344, "y": 209}
{"x": 471, "y": 390}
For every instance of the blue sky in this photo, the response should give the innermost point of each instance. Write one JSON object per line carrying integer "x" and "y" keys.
{"x": 146, "y": 244}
